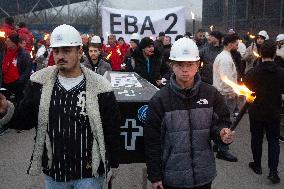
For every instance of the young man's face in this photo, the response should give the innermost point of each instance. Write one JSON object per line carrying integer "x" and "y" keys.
{"x": 200, "y": 36}
{"x": 149, "y": 51}
{"x": 121, "y": 42}
{"x": 213, "y": 40}
{"x": 185, "y": 70}
{"x": 166, "y": 40}
{"x": 111, "y": 40}
{"x": 85, "y": 40}
{"x": 133, "y": 45}
{"x": 94, "y": 52}
{"x": 259, "y": 40}
{"x": 67, "y": 59}
{"x": 234, "y": 45}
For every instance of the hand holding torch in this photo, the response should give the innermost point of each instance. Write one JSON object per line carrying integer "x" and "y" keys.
{"x": 244, "y": 91}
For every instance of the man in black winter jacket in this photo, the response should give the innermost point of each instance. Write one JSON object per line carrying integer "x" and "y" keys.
{"x": 208, "y": 55}
{"x": 183, "y": 117}
{"x": 75, "y": 115}
{"x": 147, "y": 61}
{"x": 267, "y": 81}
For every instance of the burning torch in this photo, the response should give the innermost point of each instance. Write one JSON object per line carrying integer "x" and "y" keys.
{"x": 2, "y": 34}
{"x": 193, "y": 22}
{"x": 256, "y": 54}
{"x": 46, "y": 36}
{"x": 244, "y": 91}
{"x": 211, "y": 27}
{"x": 109, "y": 55}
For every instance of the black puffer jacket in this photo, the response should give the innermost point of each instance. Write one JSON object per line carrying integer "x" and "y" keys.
{"x": 179, "y": 126}
{"x": 267, "y": 81}
{"x": 141, "y": 66}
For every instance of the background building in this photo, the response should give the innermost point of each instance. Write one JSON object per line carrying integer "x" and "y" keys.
{"x": 244, "y": 15}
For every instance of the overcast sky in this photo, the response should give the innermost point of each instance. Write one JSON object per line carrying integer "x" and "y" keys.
{"x": 192, "y": 5}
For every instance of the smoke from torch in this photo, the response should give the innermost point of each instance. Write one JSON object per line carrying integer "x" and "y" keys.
{"x": 240, "y": 90}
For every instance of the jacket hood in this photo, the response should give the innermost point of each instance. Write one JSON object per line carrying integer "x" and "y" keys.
{"x": 185, "y": 93}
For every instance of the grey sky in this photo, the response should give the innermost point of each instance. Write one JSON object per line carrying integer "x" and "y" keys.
{"x": 191, "y": 5}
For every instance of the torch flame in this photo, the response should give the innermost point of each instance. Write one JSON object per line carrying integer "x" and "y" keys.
{"x": 192, "y": 15}
{"x": 252, "y": 36}
{"x": 2, "y": 34}
{"x": 240, "y": 89}
{"x": 256, "y": 54}
{"x": 46, "y": 36}
{"x": 211, "y": 27}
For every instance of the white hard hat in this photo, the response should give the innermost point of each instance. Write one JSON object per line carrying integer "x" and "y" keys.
{"x": 65, "y": 36}
{"x": 135, "y": 36}
{"x": 96, "y": 39}
{"x": 280, "y": 37}
{"x": 184, "y": 49}
{"x": 264, "y": 34}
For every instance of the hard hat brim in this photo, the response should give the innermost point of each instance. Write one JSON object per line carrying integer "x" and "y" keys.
{"x": 185, "y": 59}
{"x": 65, "y": 45}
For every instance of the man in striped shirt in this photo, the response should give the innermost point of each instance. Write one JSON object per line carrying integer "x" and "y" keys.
{"x": 76, "y": 117}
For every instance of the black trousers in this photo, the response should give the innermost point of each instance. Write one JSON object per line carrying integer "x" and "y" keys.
{"x": 272, "y": 130}
{"x": 16, "y": 88}
{"x": 207, "y": 186}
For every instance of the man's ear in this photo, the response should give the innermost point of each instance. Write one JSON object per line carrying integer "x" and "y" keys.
{"x": 80, "y": 54}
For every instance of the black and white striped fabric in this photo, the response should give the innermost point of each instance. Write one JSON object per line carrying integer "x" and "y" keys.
{"x": 70, "y": 134}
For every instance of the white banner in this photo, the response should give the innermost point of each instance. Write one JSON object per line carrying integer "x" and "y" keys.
{"x": 148, "y": 23}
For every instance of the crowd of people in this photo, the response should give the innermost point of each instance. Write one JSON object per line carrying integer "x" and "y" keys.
{"x": 74, "y": 110}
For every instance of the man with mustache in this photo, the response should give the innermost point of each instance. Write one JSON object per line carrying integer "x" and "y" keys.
{"x": 76, "y": 117}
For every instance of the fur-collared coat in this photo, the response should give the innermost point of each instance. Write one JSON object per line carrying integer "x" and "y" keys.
{"x": 101, "y": 108}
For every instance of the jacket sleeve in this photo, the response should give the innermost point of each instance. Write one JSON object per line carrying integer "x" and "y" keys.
{"x": 152, "y": 140}
{"x": 221, "y": 116}
{"x": 248, "y": 54}
{"x": 26, "y": 114}
{"x": 27, "y": 68}
{"x": 110, "y": 118}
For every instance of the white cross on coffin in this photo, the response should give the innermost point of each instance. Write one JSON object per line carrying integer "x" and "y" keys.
{"x": 133, "y": 135}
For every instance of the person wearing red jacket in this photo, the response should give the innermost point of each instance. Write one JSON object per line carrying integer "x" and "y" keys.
{"x": 8, "y": 26}
{"x": 114, "y": 54}
{"x": 123, "y": 46}
{"x": 27, "y": 36}
{"x": 16, "y": 67}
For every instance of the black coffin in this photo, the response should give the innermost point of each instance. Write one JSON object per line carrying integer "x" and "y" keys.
{"x": 132, "y": 94}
